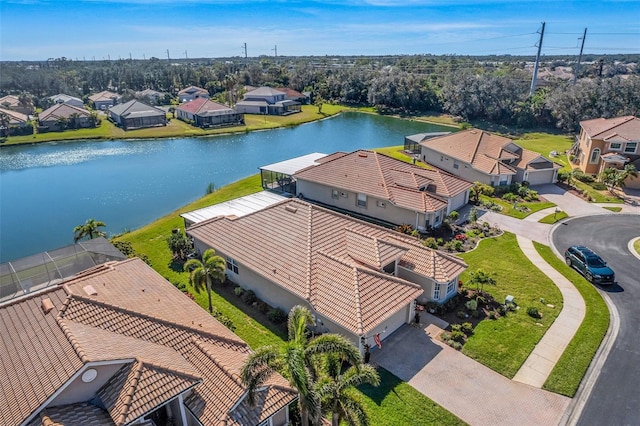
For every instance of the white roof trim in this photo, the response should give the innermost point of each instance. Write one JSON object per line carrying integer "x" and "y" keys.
{"x": 294, "y": 165}
{"x": 238, "y": 207}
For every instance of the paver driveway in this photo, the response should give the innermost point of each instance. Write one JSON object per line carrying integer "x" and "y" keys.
{"x": 468, "y": 389}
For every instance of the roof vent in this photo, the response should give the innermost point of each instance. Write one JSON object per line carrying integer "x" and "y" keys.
{"x": 291, "y": 209}
{"x": 362, "y": 154}
{"x": 46, "y": 305}
{"x": 89, "y": 290}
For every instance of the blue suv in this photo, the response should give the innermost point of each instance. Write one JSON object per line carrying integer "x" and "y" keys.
{"x": 590, "y": 265}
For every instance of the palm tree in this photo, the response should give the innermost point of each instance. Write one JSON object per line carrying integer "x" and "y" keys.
{"x": 336, "y": 389}
{"x": 298, "y": 360}
{"x": 89, "y": 229}
{"x": 201, "y": 273}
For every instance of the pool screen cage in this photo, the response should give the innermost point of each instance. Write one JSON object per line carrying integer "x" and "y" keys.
{"x": 28, "y": 274}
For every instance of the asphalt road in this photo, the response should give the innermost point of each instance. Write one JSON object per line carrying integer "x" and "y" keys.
{"x": 615, "y": 399}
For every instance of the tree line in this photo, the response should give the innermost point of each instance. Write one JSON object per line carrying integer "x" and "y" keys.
{"x": 495, "y": 89}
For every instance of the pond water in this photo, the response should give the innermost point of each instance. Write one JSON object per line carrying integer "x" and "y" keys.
{"x": 48, "y": 189}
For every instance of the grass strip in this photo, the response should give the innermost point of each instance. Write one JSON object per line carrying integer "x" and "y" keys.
{"x": 505, "y": 343}
{"x": 614, "y": 209}
{"x": 553, "y": 218}
{"x": 574, "y": 362}
{"x": 508, "y": 210}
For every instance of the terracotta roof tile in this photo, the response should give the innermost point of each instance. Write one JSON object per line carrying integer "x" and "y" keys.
{"x": 62, "y": 111}
{"x": 81, "y": 414}
{"x": 627, "y": 127}
{"x": 203, "y": 106}
{"x": 104, "y": 96}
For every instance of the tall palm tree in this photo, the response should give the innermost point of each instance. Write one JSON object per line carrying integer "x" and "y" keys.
{"x": 201, "y": 273}
{"x": 336, "y": 391}
{"x": 89, "y": 229}
{"x": 298, "y": 360}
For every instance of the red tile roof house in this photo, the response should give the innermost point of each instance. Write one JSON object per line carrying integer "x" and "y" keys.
{"x": 383, "y": 188}
{"x": 608, "y": 143}
{"x": 119, "y": 345}
{"x": 12, "y": 103}
{"x": 48, "y": 118}
{"x": 205, "y": 113}
{"x": 104, "y": 100}
{"x": 358, "y": 279}
{"x": 192, "y": 92}
{"x": 14, "y": 118}
{"x": 137, "y": 115}
{"x": 476, "y": 155}
{"x": 268, "y": 101}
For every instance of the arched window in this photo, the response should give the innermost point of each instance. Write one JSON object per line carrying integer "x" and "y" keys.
{"x": 595, "y": 156}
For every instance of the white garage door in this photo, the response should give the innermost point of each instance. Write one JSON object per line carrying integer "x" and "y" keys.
{"x": 540, "y": 177}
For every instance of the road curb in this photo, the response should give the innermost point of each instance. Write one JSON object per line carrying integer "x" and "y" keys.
{"x": 632, "y": 249}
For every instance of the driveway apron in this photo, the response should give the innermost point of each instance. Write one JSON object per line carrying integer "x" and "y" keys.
{"x": 468, "y": 389}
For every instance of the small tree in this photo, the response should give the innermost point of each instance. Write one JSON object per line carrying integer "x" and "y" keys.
{"x": 480, "y": 188}
{"x": 179, "y": 245}
{"x": 89, "y": 230}
{"x": 479, "y": 277}
{"x": 319, "y": 102}
{"x": 202, "y": 273}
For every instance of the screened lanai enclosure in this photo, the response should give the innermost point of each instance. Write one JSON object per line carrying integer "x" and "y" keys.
{"x": 279, "y": 176}
{"x": 32, "y": 273}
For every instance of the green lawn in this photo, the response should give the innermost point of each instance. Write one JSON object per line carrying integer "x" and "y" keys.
{"x": 394, "y": 402}
{"x": 544, "y": 143}
{"x": 570, "y": 369}
{"x": 507, "y": 207}
{"x": 614, "y": 209}
{"x": 504, "y": 344}
{"x": 597, "y": 196}
{"x": 553, "y": 218}
{"x": 396, "y": 152}
{"x": 636, "y": 246}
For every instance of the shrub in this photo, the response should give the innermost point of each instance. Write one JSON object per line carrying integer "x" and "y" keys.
{"x": 405, "y": 228}
{"x": 445, "y": 336}
{"x": 533, "y": 312}
{"x": 458, "y": 336}
{"x": 461, "y": 314}
{"x": 492, "y": 315}
{"x": 486, "y": 225}
{"x": 449, "y": 245}
{"x": 277, "y": 316}
{"x": 510, "y": 197}
{"x": 460, "y": 237}
{"x": 456, "y": 327}
{"x": 456, "y": 345}
{"x": 582, "y": 177}
{"x": 430, "y": 242}
{"x": 532, "y": 195}
{"x": 440, "y": 241}
{"x": 467, "y": 327}
{"x": 598, "y": 186}
{"x": 457, "y": 245}
{"x": 502, "y": 310}
{"x": 263, "y": 307}
{"x": 224, "y": 320}
{"x": 249, "y": 297}
{"x": 471, "y": 305}
{"x": 239, "y": 291}
{"x": 475, "y": 314}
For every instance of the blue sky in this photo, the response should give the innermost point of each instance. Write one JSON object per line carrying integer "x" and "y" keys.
{"x": 41, "y": 29}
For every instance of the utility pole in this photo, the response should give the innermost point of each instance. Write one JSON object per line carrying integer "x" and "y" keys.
{"x": 275, "y": 49}
{"x": 143, "y": 56}
{"x": 245, "y": 51}
{"x": 575, "y": 77}
{"x": 168, "y": 58}
{"x": 130, "y": 58}
{"x": 535, "y": 68}
{"x": 185, "y": 54}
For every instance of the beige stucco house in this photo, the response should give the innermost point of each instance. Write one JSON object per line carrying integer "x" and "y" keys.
{"x": 608, "y": 143}
{"x": 119, "y": 345}
{"x": 75, "y": 117}
{"x": 13, "y": 103}
{"x": 358, "y": 279}
{"x": 137, "y": 115}
{"x": 476, "y": 155}
{"x": 383, "y": 188}
{"x": 206, "y": 113}
{"x": 104, "y": 100}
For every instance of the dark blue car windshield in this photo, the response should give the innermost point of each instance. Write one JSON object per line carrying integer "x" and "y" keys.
{"x": 595, "y": 262}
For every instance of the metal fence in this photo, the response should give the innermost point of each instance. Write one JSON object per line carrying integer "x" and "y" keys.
{"x": 42, "y": 270}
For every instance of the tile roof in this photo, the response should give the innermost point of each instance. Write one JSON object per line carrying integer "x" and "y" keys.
{"x": 104, "y": 96}
{"x": 64, "y": 98}
{"x": 62, "y": 110}
{"x": 193, "y": 90}
{"x": 14, "y": 116}
{"x": 136, "y": 108}
{"x": 627, "y": 127}
{"x": 485, "y": 151}
{"x": 81, "y": 414}
{"x": 386, "y": 178}
{"x": 290, "y": 93}
{"x": 204, "y": 106}
{"x": 10, "y": 101}
{"x": 263, "y": 91}
{"x": 122, "y": 311}
{"x": 319, "y": 256}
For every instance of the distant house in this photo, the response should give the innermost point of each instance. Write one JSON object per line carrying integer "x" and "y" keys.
{"x": 268, "y": 101}
{"x": 74, "y": 117}
{"x": 191, "y": 93}
{"x": 150, "y": 96}
{"x": 13, "y": 103}
{"x": 359, "y": 280}
{"x": 118, "y": 344}
{"x": 66, "y": 99}
{"x": 206, "y": 113}
{"x": 104, "y": 100}
{"x": 135, "y": 115}
{"x": 608, "y": 143}
{"x": 13, "y": 122}
{"x": 476, "y": 155}
{"x": 383, "y": 188}
{"x": 294, "y": 95}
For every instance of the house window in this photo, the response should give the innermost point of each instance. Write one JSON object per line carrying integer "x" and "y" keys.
{"x": 232, "y": 265}
{"x": 455, "y": 164}
{"x": 595, "y": 156}
{"x": 436, "y": 292}
{"x": 362, "y": 200}
{"x": 451, "y": 287}
{"x": 615, "y": 146}
{"x": 334, "y": 193}
{"x": 631, "y": 147}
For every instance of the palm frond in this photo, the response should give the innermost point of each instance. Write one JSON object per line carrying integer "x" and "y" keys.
{"x": 334, "y": 344}
{"x": 299, "y": 318}
{"x": 353, "y": 412}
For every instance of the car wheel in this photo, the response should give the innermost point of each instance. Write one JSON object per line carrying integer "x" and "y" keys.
{"x": 568, "y": 261}
{"x": 589, "y": 277}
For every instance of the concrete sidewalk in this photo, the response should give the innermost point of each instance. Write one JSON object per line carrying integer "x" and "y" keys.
{"x": 535, "y": 231}
{"x": 550, "y": 348}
